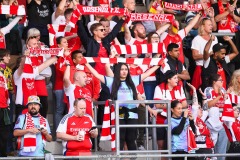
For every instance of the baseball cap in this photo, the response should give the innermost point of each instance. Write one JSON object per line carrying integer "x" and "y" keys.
{"x": 217, "y": 47}
{"x": 34, "y": 99}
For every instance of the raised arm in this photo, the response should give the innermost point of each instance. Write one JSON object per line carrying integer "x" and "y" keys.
{"x": 192, "y": 23}
{"x": 95, "y": 73}
{"x": 66, "y": 77}
{"x": 47, "y": 63}
{"x": 127, "y": 33}
{"x": 148, "y": 72}
{"x": 163, "y": 28}
{"x": 206, "y": 53}
{"x": 7, "y": 29}
{"x": 60, "y": 9}
{"x": 233, "y": 46}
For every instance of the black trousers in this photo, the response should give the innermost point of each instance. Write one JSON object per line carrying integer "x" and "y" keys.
{"x": 181, "y": 158}
{"x": 128, "y": 135}
{"x": 44, "y": 109}
{"x": 4, "y": 132}
{"x": 18, "y": 110}
{"x": 234, "y": 148}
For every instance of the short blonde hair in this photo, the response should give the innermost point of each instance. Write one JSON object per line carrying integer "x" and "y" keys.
{"x": 33, "y": 32}
{"x": 234, "y": 81}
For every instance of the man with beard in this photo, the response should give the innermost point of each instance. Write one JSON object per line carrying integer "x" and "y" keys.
{"x": 217, "y": 61}
{"x": 32, "y": 130}
{"x": 140, "y": 33}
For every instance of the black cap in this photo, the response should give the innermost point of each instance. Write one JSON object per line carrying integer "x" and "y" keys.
{"x": 217, "y": 47}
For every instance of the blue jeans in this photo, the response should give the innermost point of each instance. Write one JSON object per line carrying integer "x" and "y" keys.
{"x": 60, "y": 107}
{"x": 149, "y": 88}
{"x": 221, "y": 145}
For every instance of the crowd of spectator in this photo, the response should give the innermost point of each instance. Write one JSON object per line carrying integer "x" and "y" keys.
{"x": 197, "y": 64}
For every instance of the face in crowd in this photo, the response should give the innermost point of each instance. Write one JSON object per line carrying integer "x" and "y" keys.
{"x": 80, "y": 107}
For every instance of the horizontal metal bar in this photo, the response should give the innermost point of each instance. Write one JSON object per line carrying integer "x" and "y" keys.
{"x": 144, "y": 151}
{"x": 112, "y": 155}
{"x": 142, "y": 125}
{"x": 223, "y": 34}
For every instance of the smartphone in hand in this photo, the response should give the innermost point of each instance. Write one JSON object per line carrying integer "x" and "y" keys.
{"x": 92, "y": 129}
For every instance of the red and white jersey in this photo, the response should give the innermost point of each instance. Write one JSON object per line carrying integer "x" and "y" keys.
{"x": 2, "y": 42}
{"x": 71, "y": 125}
{"x": 232, "y": 130}
{"x": 25, "y": 86}
{"x": 73, "y": 92}
{"x": 234, "y": 98}
{"x": 203, "y": 135}
{"x": 162, "y": 93}
{"x": 134, "y": 41}
{"x": 3, "y": 92}
{"x": 167, "y": 39}
{"x": 211, "y": 94}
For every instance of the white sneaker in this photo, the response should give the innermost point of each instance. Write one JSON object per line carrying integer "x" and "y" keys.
{"x": 141, "y": 147}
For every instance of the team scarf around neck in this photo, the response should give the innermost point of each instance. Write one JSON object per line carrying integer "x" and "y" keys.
{"x": 29, "y": 139}
{"x": 12, "y": 9}
{"x": 99, "y": 10}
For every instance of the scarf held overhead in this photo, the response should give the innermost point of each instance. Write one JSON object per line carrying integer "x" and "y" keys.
{"x": 12, "y": 9}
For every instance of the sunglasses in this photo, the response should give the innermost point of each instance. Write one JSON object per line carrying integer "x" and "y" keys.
{"x": 32, "y": 37}
{"x": 81, "y": 99}
{"x": 102, "y": 30}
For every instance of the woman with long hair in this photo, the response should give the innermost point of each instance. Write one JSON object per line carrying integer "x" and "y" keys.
{"x": 216, "y": 96}
{"x": 198, "y": 44}
{"x": 180, "y": 121}
{"x": 58, "y": 83}
{"x": 123, "y": 87}
{"x": 234, "y": 87}
{"x": 169, "y": 90}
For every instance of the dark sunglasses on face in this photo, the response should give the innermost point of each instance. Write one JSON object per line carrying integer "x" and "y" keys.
{"x": 102, "y": 30}
{"x": 33, "y": 37}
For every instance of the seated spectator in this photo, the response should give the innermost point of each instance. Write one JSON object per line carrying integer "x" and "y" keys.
{"x": 32, "y": 130}
{"x": 75, "y": 131}
{"x": 180, "y": 121}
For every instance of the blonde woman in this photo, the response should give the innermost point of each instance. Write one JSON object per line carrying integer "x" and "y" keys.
{"x": 234, "y": 87}
{"x": 198, "y": 44}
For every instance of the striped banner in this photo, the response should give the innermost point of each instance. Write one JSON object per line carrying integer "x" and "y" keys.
{"x": 12, "y": 9}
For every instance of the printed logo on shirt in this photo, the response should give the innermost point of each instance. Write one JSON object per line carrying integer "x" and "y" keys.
{"x": 30, "y": 86}
{"x": 73, "y": 123}
{"x": 85, "y": 122}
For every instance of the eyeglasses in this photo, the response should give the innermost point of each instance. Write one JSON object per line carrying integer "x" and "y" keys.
{"x": 81, "y": 99}
{"x": 155, "y": 37}
{"x": 102, "y": 30}
{"x": 32, "y": 37}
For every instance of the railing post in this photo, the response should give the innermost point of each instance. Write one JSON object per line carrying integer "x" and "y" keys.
{"x": 117, "y": 128}
{"x": 95, "y": 120}
{"x": 147, "y": 130}
{"x": 169, "y": 136}
{"x": 154, "y": 134}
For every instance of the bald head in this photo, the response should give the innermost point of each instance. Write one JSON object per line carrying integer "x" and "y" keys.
{"x": 129, "y": 4}
{"x": 80, "y": 78}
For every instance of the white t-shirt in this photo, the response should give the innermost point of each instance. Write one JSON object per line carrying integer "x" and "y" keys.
{"x": 198, "y": 43}
{"x": 59, "y": 20}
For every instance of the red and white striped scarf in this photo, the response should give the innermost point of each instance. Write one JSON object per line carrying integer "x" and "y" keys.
{"x": 139, "y": 48}
{"x": 137, "y": 61}
{"x": 29, "y": 139}
{"x": 86, "y": 10}
{"x": 12, "y": 9}
{"x": 228, "y": 113}
{"x": 185, "y": 7}
{"x": 192, "y": 146}
{"x": 108, "y": 133}
{"x": 54, "y": 28}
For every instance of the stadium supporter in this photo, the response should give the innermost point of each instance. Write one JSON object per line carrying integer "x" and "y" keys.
{"x": 217, "y": 60}
{"x": 7, "y": 72}
{"x": 40, "y": 80}
{"x": 139, "y": 32}
{"x": 77, "y": 89}
{"x": 174, "y": 64}
{"x": 24, "y": 78}
{"x": 75, "y": 131}
{"x": 123, "y": 86}
{"x": 3, "y": 32}
{"x": 58, "y": 81}
{"x": 233, "y": 133}
{"x": 174, "y": 35}
{"x": 92, "y": 83}
{"x": 58, "y": 15}
{"x": 202, "y": 136}
{"x": 150, "y": 82}
{"x": 32, "y": 130}
{"x": 39, "y": 16}
{"x": 198, "y": 44}
{"x": 12, "y": 39}
{"x": 180, "y": 121}
{"x": 5, "y": 122}
{"x": 169, "y": 90}
{"x": 215, "y": 94}
{"x": 234, "y": 87}
{"x": 226, "y": 16}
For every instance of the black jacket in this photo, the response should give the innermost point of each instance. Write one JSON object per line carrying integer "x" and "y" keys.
{"x": 91, "y": 45}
